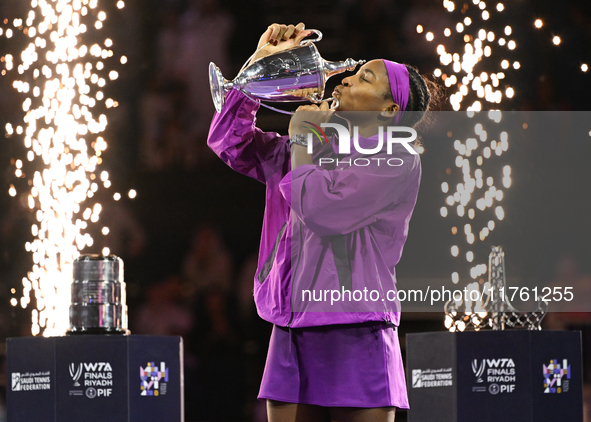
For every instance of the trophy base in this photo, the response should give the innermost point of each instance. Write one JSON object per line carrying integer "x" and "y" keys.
{"x": 97, "y": 331}
{"x": 104, "y": 318}
{"x": 216, "y": 84}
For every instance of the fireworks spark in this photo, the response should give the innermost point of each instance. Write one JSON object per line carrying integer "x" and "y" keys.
{"x": 476, "y": 70}
{"x": 62, "y": 80}
{"x": 476, "y": 79}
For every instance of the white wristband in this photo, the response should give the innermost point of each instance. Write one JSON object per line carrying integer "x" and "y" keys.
{"x": 299, "y": 139}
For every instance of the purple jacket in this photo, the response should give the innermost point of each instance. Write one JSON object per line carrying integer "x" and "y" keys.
{"x": 328, "y": 230}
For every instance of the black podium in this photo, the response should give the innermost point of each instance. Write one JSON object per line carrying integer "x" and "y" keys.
{"x": 495, "y": 376}
{"x": 95, "y": 378}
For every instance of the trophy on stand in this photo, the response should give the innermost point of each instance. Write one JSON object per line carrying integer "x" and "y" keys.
{"x": 91, "y": 374}
{"x": 497, "y": 312}
{"x": 98, "y": 296}
{"x": 293, "y": 75}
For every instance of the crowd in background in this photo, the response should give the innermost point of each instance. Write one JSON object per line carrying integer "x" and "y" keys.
{"x": 190, "y": 273}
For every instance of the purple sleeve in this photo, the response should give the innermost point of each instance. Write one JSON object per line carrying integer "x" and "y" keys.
{"x": 244, "y": 147}
{"x": 332, "y": 202}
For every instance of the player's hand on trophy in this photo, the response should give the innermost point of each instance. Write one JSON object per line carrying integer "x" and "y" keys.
{"x": 279, "y": 37}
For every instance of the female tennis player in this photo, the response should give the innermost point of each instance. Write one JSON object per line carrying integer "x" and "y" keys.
{"x": 334, "y": 228}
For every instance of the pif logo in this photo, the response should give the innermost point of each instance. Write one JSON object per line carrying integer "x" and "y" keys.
{"x": 345, "y": 138}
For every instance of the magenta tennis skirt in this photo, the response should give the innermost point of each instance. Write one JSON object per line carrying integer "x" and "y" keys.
{"x": 350, "y": 365}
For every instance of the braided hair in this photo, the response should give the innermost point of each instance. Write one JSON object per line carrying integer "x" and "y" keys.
{"x": 423, "y": 95}
{"x": 418, "y": 98}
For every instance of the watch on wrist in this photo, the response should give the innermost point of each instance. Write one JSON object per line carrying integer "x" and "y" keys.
{"x": 299, "y": 139}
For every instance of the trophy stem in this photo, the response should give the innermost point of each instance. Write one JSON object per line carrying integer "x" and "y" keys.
{"x": 266, "y": 105}
{"x": 335, "y": 103}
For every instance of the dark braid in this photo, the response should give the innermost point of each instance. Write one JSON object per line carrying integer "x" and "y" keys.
{"x": 423, "y": 95}
{"x": 418, "y": 98}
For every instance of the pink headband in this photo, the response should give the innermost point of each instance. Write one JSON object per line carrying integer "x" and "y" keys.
{"x": 399, "y": 84}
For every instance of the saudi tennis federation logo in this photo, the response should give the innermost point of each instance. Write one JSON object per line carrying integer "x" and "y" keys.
{"x": 317, "y": 130}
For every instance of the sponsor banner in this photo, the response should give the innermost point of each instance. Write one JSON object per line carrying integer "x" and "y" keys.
{"x": 96, "y": 378}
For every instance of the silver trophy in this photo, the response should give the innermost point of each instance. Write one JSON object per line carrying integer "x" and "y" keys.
{"x": 496, "y": 312}
{"x": 98, "y": 296}
{"x": 293, "y": 75}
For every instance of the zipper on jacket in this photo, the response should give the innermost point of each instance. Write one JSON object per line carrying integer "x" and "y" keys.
{"x": 342, "y": 262}
{"x": 262, "y": 275}
{"x": 293, "y": 277}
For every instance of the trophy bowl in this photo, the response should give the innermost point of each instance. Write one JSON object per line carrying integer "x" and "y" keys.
{"x": 216, "y": 83}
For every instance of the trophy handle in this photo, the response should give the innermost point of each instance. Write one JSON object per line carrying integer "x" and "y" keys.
{"x": 302, "y": 43}
{"x": 318, "y": 37}
{"x": 335, "y": 103}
